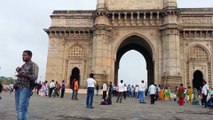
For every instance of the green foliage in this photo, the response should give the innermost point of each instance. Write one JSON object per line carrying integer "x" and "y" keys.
{"x": 6, "y": 80}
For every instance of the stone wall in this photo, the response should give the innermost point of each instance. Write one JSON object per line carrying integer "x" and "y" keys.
{"x": 134, "y": 4}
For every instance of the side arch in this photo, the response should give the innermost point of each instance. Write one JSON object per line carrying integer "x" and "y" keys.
{"x": 197, "y": 81}
{"x": 198, "y": 46}
{"x": 75, "y": 74}
{"x": 198, "y": 61}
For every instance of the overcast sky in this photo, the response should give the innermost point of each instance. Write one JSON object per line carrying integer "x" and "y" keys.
{"x": 21, "y": 28}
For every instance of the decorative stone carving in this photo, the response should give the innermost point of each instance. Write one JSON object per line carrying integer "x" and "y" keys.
{"x": 196, "y": 21}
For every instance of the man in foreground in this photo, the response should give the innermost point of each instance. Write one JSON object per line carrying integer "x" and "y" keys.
{"x": 26, "y": 77}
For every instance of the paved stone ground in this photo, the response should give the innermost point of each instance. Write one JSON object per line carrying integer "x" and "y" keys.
{"x": 44, "y": 108}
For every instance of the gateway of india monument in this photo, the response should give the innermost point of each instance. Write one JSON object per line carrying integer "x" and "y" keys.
{"x": 177, "y": 43}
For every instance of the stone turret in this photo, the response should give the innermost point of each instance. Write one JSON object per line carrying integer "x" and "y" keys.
{"x": 171, "y": 45}
{"x": 170, "y": 4}
{"x": 101, "y": 13}
{"x": 101, "y": 52}
{"x": 101, "y": 5}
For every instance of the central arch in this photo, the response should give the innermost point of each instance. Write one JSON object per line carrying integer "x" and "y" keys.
{"x": 138, "y": 43}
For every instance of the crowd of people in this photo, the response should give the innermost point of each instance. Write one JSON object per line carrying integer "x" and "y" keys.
{"x": 181, "y": 95}
{"x": 27, "y": 74}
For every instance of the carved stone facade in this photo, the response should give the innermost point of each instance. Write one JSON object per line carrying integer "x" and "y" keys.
{"x": 177, "y": 43}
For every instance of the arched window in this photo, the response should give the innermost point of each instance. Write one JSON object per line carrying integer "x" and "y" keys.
{"x": 77, "y": 52}
{"x": 197, "y": 54}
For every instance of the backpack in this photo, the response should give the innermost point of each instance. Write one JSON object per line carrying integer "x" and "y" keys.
{"x": 106, "y": 102}
{"x": 63, "y": 86}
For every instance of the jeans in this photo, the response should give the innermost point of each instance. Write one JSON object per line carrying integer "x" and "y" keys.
{"x": 73, "y": 94}
{"x": 62, "y": 93}
{"x": 152, "y": 96}
{"x": 124, "y": 93}
{"x": 204, "y": 100}
{"x": 141, "y": 95}
{"x": 90, "y": 93}
{"x": 22, "y": 97}
{"x": 104, "y": 95}
{"x": 50, "y": 91}
{"x": 128, "y": 93}
{"x": 136, "y": 95}
{"x": 119, "y": 97}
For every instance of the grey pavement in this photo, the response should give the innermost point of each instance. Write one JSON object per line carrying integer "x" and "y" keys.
{"x": 45, "y": 108}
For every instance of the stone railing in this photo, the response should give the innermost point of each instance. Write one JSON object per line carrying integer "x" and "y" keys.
{"x": 135, "y": 18}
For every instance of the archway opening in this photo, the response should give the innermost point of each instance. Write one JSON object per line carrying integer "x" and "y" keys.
{"x": 198, "y": 80}
{"x": 132, "y": 68}
{"x": 75, "y": 75}
{"x": 143, "y": 47}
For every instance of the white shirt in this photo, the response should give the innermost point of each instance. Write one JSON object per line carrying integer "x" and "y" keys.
{"x": 152, "y": 89}
{"x": 125, "y": 88}
{"x": 120, "y": 87}
{"x": 159, "y": 89}
{"x": 52, "y": 84}
{"x": 205, "y": 88}
{"x": 91, "y": 82}
{"x": 142, "y": 87}
{"x": 136, "y": 89}
{"x": 104, "y": 87}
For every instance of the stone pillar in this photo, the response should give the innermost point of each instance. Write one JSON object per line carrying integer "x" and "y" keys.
{"x": 101, "y": 49}
{"x": 101, "y": 5}
{"x": 55, "y": 60}
{"x": 170, "y": 45}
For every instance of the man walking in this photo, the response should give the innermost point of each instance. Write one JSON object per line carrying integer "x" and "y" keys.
{"x": 152, "y": 92}
{"x": 120, "y": 91}
{"x": 205, "y": 89}
{"x": 76, "y": 90}
{"x": 26, "y": 77}
{"x": 110, "y": 91}
{"x": 51, "y": 88}
{"x": 104, "y": 91}
{"x": 97, "y": 89}
{"x": 90, "y": 90}
{"x": 142, "y": 88}
{"x": 62, "y": 89}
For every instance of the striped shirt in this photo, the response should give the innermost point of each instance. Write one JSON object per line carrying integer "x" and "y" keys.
{"x": 31, "y": 69}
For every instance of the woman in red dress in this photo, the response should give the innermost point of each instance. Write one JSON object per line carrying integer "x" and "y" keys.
{"x": 181, "y": 95}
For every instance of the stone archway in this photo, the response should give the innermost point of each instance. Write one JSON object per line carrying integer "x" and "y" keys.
{"x": 139, "y": 44}
{"x": 75, "y": 74}
{"x": 197, "y": 80}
